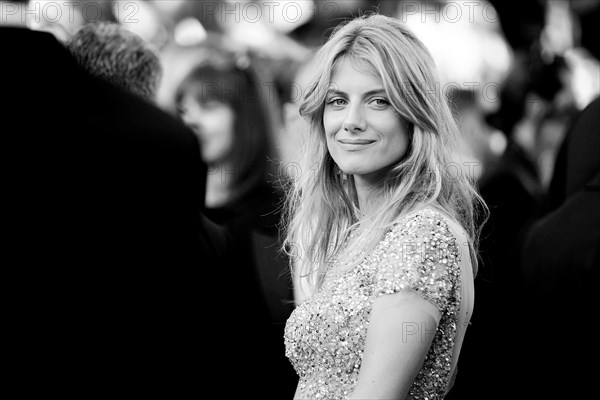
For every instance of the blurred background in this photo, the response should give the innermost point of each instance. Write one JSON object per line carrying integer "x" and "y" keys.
{"x": 515, "y": 72}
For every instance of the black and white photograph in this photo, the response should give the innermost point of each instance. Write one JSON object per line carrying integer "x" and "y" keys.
{"x": 300, "y": 199}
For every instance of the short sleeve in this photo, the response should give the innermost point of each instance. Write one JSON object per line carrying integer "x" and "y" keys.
{"x": 420, "y": 253}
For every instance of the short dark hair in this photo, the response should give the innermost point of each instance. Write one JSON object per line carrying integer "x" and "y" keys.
{"x": 113, "y": 53}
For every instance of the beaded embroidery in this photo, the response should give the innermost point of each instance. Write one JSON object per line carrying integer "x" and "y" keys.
{"x": 325, "y": 335}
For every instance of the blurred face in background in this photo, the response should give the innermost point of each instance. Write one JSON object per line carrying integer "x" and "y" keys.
{"x": 213, "y": 122}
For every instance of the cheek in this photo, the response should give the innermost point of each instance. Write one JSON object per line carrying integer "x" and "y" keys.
{"x": 396, "y": 137}
{"x": 330, "y": 140}
{"x": 399, "y": 144}
{"x": 219, "y": 124}
{"x": 223, "y": 130}
{"x": 331, "y": 124}
{"x": 226, "y": 122}
{"x": 329, "y": 127}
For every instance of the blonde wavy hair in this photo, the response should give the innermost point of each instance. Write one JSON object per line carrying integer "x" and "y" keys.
{"x": 321, "y": 207}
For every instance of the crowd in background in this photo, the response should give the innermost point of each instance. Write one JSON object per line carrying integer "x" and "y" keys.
{"x": 517, "y": 74}
{"x": 522, "y": 79}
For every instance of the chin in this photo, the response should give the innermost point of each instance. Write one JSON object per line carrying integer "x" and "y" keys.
{"x": 369, "y": 173}
{"x": 353, "y": 170}
{"x": 356, "y": 164}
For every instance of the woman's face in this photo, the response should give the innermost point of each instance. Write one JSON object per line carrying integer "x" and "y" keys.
{"x": 213, "y": 123}
{"x": 365, "y": 135}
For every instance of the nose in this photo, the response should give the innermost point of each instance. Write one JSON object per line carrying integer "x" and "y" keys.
{"x": 354, "y": 120}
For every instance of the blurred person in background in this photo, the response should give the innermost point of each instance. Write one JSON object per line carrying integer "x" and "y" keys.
{"x": 221, "y": 100}
{"x": 559, "y": 265}
{"x": 560, "y": 255}
{"x": 538, "y": 101}
{"x": 583, "y": 83}
{"x": 107, "y": 243}
{"x": 111, "y": 52}
{"x": 511, "y": 185}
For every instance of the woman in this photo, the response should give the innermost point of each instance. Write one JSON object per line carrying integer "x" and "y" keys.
{"x": 384, "y": 226}
{"x": 222, "y": 102}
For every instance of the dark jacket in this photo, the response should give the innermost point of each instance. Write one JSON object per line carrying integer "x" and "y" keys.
{"x": 560, "y": 260}
{"x": 108, "y": 248}
{"x": 260, "y": 295}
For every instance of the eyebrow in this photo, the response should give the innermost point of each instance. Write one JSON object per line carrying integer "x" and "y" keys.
{"x": 334, "y": 92}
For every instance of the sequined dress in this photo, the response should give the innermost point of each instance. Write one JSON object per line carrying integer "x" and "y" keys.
{"x": 325, "y": 335}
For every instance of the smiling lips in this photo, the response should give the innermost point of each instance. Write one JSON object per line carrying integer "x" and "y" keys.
{"x": 355, "y": 141}
{"x": 354, "y": 144}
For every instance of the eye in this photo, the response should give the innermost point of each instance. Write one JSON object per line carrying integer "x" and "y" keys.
{"x": 381, "y": 102}
{"x": 336, "y": 101}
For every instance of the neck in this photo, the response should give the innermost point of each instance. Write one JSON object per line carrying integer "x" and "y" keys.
{"x": 13, "y": 14}
{"x": 218, "y": 186}
{"x": 364, "y": 189}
